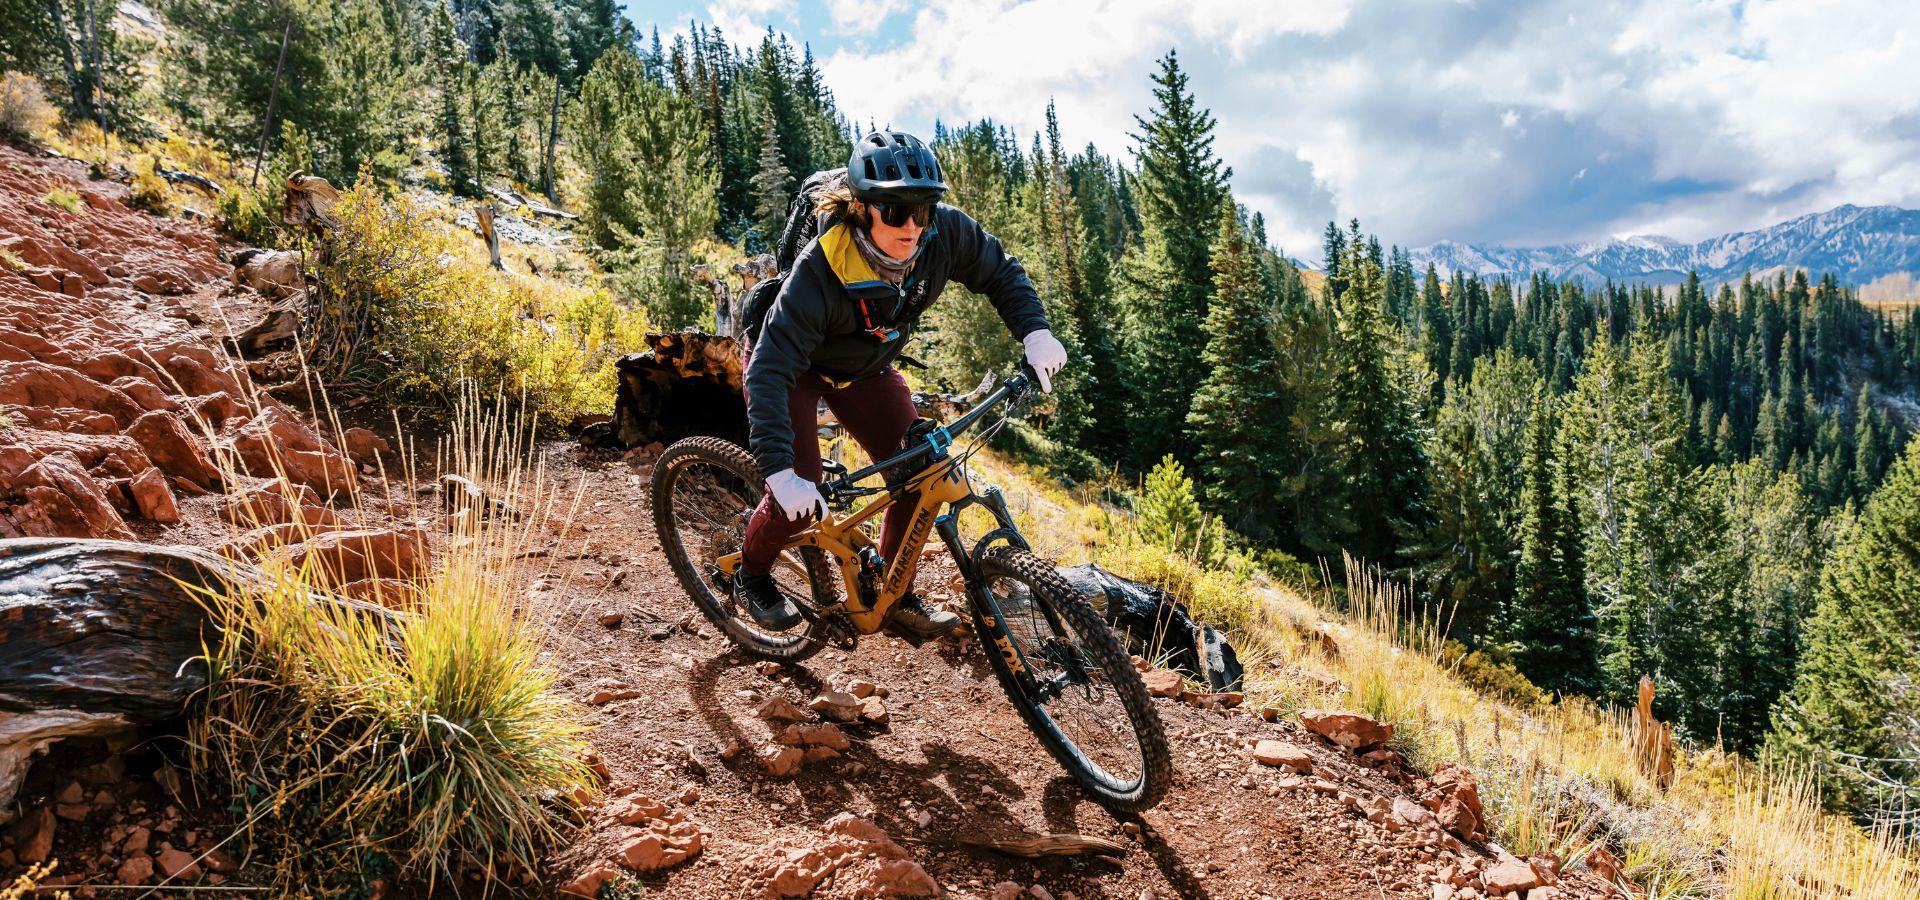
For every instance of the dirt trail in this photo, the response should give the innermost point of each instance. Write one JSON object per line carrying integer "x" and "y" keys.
{"x": 954, "y": 765}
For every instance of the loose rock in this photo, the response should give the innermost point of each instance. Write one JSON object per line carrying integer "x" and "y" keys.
{"x": 1280, "y": 753}
{"x": 1349, "y": 730}
{"x": 1164, "y": 683}
{"x": 836, "y": 706}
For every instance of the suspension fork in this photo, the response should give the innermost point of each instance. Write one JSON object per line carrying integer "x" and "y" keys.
{"x": 987, "y": 610}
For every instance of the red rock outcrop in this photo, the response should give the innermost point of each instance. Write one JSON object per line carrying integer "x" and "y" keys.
{"x": 360, "y": 554}
{"x": 102, "y": 384}
{"x": 275, "y": 444}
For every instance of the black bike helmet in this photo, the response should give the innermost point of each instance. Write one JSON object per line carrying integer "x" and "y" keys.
{"x": 894, "y": 167}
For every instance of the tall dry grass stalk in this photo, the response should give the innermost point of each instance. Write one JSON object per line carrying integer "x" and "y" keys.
{"x": 356, "y": 742}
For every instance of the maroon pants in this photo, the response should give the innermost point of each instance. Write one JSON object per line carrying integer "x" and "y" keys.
{"x": 876, "y": 411}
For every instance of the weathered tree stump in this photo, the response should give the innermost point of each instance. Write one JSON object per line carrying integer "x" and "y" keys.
{"x": 689, "y": 384}
{"x": 309, "y": 201}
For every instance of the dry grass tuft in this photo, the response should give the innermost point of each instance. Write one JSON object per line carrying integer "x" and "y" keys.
{"x": 357, "y": 742}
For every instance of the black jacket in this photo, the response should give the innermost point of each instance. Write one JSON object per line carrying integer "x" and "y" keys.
{"x": 815, "y": 327}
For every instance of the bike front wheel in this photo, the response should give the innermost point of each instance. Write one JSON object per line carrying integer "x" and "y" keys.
{"x": 704, "y": 489}
{"x": 1084, "y": 699}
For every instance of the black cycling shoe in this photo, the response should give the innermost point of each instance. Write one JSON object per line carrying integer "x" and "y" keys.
{"x": 917, "y": 621}
{"x": 768, "y": 607}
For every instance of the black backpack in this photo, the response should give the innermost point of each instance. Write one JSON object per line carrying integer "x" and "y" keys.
{"x": 803, "y": 225}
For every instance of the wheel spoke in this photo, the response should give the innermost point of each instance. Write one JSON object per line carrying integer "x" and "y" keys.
{"x": 703, "y": 497}
{"x": 1091, "y": 718}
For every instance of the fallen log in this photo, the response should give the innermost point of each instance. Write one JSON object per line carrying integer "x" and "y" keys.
{"x": 1156, "y": 625}
{"x": 515, "y": 199}
{"x": 200, "y": 181}
{"x": 98, "y": 637}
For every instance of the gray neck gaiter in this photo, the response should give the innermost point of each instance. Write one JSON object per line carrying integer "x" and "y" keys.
{"x": 893, "y": 270}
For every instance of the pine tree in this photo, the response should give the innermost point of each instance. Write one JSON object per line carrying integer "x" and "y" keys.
{"x": 1553, "y": 626}
{"x": 772, "y": 188}
{"x": 1170, "y": 517}
{"x": 1235, "y": 409}
{"x": 599, "y": 139}
{"x": 1655, "y": 562}
{"x": 1859, "y": 643}
{"x": 1774, "y": 555}
{"x": 1182, "y": 186}
{"x": 483, "y": 123}
{"x": 1379, "y": 396}
{"x": 1869, "y": 444}
{"x": 1436, "y": 329}
{"x": 447, "y": 58}
{"x": 673, "y": 196}
{"x": 1476, "y": 450}
{"x": 360, "y": 113}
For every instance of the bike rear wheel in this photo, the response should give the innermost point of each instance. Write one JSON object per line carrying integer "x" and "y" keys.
{"x": 703, "y": 491}
{"x": 1088, "y": 704}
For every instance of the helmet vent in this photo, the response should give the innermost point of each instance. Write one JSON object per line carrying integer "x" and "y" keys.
{"x": 870, "y": 172}
{"x": 913, "y": 171}
{"x": 893, "y": 171}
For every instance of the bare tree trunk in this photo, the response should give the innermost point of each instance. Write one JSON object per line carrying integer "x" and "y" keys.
{"x": 60, "y": 35}
{"x": 93, "y": 61}
{"x": 484, "y": 212}
{"x": 273, "y": 99}
{"x": 553, "y": 138}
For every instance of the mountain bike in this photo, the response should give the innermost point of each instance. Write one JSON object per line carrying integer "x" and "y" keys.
{"x": 1065, "y": 671}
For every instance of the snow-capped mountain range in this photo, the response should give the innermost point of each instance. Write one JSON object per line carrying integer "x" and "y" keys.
{"x": 1859, "y": 245}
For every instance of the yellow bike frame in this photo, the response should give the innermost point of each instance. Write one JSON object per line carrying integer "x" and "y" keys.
{"x": 938, "y": 485}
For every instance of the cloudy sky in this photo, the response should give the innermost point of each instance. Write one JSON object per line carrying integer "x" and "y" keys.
{"x": 1522, "y": 123}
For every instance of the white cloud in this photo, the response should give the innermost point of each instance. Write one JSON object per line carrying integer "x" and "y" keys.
{"x": 745, "y": 20}
{"x": 862, "y": 17}
{"x": 1461, "y": 121}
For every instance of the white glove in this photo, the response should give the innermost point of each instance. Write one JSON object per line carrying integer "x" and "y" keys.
{"x": 1046, "y": 356}
{"x": 796, "y": 496}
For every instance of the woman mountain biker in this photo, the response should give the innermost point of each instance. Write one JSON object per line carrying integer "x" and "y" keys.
{"x": 841, "y": 318}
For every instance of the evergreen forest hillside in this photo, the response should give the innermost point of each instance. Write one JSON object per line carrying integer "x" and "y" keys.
{"x": 1711, "y": 485}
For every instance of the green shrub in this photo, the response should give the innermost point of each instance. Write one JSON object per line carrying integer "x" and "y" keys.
{"x": 1498, "y": 678}
{"x": 65, "y": 199}
{"x": 1171, "y": 518}
{"x": 248, "y": 215}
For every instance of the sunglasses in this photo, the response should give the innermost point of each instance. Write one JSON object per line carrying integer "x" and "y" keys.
{"x": 897, "y": 214}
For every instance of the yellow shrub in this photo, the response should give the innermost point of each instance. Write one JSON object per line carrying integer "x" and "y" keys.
{"x": 24, "y": 111}
{"x": 150, "y": 191}
{"x": 410, "y": 310}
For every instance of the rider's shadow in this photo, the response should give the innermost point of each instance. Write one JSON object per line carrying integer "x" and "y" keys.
{"x": 1061, "y": 804}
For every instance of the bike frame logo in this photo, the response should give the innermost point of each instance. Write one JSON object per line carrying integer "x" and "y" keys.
{"x": 1009, "y": 654}
{"x": 916, "y": 535}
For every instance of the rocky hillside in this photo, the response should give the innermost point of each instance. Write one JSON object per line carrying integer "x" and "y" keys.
{"x": 879, "y": 772}
{"x": 1859, "y": 245}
